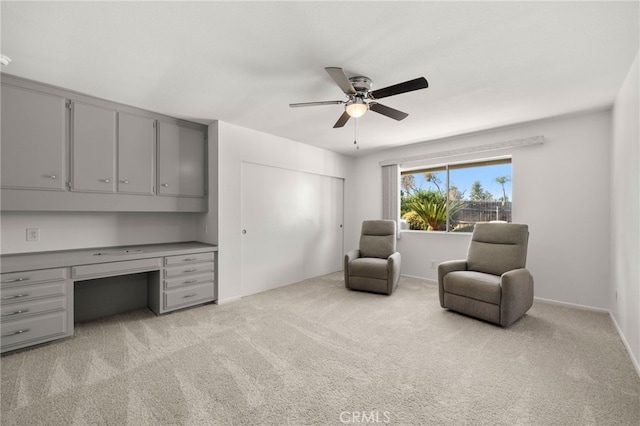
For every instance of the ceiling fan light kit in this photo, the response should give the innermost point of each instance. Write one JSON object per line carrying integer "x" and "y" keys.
{"x": 356, "y": 107}
{"x": 360, "y": 97}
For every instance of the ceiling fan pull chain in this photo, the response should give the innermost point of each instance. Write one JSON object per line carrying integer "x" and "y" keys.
{"x": 355, "y": 133}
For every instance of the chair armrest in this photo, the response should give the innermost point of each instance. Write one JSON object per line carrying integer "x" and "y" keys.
{"x": 443, "y": 269}
{"x": 394, "y": 263}
{"x": 517, "y": 295}
{"x": 353, "y": 254}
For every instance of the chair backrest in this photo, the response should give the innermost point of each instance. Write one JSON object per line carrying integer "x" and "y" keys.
{"x": 496, "y": 248}
{"x": 378, "y": 238}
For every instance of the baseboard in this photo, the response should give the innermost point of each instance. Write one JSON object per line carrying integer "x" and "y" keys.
{"x": 571, "y": 305}
{"x": 634, "y": 361}
{"x": 228, "y": 300}
{"x": 430, "y": 280}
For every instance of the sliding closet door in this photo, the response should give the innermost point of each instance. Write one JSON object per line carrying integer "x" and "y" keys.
{"x": 291, "y": 226}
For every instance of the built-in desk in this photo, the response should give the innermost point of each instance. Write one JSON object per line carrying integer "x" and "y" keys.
{"x": 37, "y": 289}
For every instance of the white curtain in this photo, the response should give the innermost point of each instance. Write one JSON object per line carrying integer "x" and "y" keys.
{"x": 391, "y": 194}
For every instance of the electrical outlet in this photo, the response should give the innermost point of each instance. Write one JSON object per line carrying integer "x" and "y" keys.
{"x": 33, "y": 234}
{"x": 433, "y": 264}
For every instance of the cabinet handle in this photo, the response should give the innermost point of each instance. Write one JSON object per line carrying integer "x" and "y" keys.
{"x": 186, "y": 296}
{"x": 190, "y": 282}
{"x": 52, "y": 176}
{"x": 189, "y": 259}
{"x": 126, "y": 182}
{"x": 15, "y": 296}
{"x": 15, "y": 313}
{"x": 166, "y": 185}
{"x": 15, "y": 280}
{"x": 13, "y": 333}
{"x": 105, "y": 180}
{"x": 189, "y": 270}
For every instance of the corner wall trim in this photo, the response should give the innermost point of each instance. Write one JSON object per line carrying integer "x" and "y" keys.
{"x": 515, "y": 143}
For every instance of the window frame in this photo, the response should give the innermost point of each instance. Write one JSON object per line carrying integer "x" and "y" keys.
{"x": 447, "y": 167}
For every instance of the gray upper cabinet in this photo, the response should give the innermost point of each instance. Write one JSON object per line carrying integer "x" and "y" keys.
{"x": 33, "y": 139}
{"x": 66, "y": 151}
{"x": 93, "y": 148}
{"x": 136, "y": 154}
{"x": 181, "y": 160}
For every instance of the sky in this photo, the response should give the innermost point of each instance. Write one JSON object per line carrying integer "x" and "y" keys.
{"x": 464, "y": 178}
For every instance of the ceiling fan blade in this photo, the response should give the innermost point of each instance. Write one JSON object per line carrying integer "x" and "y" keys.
{"x": 396, "y": 89}
{"x": 341, "y": 80}
{"x": 389, "y": 112}
{"x": 342, "y": 120}
{"x": 306, "y": 104}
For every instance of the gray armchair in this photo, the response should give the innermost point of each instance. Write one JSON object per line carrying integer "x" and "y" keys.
{"x": 375, "y": 267}
{"x": 492, "y": 283}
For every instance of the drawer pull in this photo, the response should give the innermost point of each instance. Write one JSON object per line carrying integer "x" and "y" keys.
{"x": 15, "y": 313}
{"x": 15, "y": 296}
{"x": 189, "y": 259}
{"x": 13, "y": 333}
{"x": 126, "y": 182}
{"x": 189, "y": 270}
{"x": 190, "y": 282}
{"x": 15, "y": 280}
{"x": 186, "y": 296}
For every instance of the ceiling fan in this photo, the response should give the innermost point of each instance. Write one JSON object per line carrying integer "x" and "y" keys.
{"x": 360, "y": 97}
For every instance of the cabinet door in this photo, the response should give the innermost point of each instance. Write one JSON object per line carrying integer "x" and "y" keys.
{"x": 33, "y": 139}
{"x": 93, "y": 148}
{"x": 136, "y": 154}
{"x": 181, "y": 160}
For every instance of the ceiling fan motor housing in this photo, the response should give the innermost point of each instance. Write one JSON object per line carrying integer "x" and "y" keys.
{"x": 361, "y": 84}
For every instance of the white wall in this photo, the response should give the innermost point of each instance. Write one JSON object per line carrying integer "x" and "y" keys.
{"x": 75, "y": 230}
{"x": 560, "y": 189}
{"x": 237, "y": 145}
{"x": 625, "y": 213}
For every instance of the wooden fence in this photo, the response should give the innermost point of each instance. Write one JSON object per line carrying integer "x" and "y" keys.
{"x": 483, "y": 211}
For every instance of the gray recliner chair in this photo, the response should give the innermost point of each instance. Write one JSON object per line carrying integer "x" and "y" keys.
{"x": 492, "y": 284}
{"x": 375, "y": 266}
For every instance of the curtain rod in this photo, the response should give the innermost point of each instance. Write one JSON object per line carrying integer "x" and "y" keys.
{"x": 514, "y": 143}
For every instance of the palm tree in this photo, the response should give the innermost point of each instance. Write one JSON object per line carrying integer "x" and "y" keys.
{"x": 502, "y": 180}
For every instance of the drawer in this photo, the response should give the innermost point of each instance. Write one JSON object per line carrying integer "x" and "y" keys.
{"x": 188, "y": 258}
{"x": 188, "y": 280}
{"x": 29, "y": 292}
{"x": 11, "y": 311}
{"x": 188, "y": 296}
{"x": 33, "y": 329}
{"x": 115, "y": 268}
{"x": 34, "y": 277}
{"x": 188, "y": 269}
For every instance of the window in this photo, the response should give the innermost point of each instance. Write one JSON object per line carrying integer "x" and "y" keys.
{"x": 454, "y": 197}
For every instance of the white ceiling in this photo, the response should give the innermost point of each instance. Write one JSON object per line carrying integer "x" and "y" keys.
{"x": 488, "y": 64}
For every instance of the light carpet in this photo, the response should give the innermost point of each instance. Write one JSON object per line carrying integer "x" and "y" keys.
{"x": 315, "y": 353}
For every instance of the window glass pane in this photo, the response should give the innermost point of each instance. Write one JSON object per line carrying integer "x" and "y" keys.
{"x": 423, "y": 199}
{"x": 454, "y": 198}
{"x": 479, "y": 194}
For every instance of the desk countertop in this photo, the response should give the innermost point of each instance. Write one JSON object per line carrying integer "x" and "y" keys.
{"x": 65, "y": 258}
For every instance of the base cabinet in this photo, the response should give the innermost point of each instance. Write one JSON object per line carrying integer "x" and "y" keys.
{"x": 37, "y": 307}
{"x": 186, "y": 281}
{"x": 37, "y": 289}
